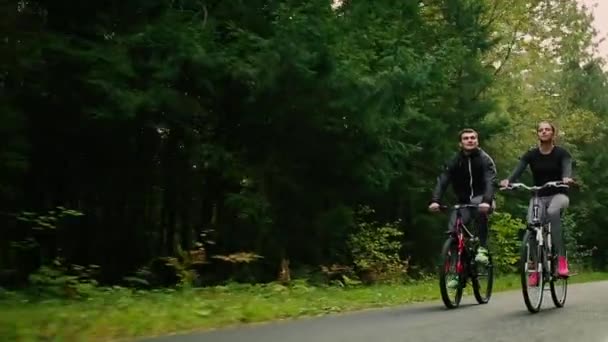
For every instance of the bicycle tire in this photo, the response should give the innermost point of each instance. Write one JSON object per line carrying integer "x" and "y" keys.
{"x": 448, "y": 246}
{"x": 557, "y": 300}
{"x": 529, "y": 236}
{"x": 476, "y": 286}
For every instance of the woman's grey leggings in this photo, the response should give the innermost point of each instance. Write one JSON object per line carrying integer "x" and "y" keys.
{"x": 554, "y": 206}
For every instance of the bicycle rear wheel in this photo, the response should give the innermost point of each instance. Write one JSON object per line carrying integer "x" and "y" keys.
{"x": 483, "y": 272}
{"x": 531, "y": 255}
{"x": 558, "y": 285}
{"x": 447, "y": 272}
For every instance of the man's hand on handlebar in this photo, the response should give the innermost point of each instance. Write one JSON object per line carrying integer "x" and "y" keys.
{"x": 568, "y": 180}
{"x": 484, "y": 207}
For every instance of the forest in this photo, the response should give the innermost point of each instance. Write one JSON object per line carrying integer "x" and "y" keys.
{"x": 158, "y": 143}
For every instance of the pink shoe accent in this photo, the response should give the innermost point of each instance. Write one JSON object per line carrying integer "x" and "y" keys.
{"x": 533, "y": 279}
{"x": 562, "y": 267}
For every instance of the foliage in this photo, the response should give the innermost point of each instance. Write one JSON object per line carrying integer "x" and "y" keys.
{"x": 270, "y": 122}
{"x": 48, "y": 220}
{"x": 118, "y": 313}
{"x": 34, "y": 243}
{"x": 505, "y": 240}
{"x": 187, "y": 266}
{"x": 59, "y": 280}
{"x": 376, "y": 248}
{"x": 578, "y": 253}
{"x": 241, "y": 257}
{"x": 184, "y": 263}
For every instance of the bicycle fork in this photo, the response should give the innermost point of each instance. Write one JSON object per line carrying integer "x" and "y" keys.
{"x": 459, "y": 264}
{"x": 540, "y": 238}
{"x": 549, "y": 253}
{"x": 540, "y": 242}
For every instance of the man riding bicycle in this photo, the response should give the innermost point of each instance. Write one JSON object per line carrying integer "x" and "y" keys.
{"x": 472, "y": 173}
{"x": 548, "y": 162}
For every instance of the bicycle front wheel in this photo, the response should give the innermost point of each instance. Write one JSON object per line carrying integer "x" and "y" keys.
{"x": 532, "y": 282}
{"x": 449, "y": 275}
{"x": 483, "y": 281}
{"x": 558, "y": 285}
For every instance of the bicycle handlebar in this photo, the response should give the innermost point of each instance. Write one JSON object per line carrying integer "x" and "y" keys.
{"x": 458, "y": 206}
{"x": 555, "y": 184}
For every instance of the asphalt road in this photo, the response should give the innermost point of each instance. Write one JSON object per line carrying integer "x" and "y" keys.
{"x": 584, "y": 318}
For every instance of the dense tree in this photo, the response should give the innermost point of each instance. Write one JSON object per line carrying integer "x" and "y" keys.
{"x": 264, "y": 126}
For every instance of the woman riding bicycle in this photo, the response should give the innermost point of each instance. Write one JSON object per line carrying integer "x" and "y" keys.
{"x": 548, "y": 162}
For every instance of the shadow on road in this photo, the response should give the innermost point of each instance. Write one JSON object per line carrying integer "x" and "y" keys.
{"x": 544, "y": 312}
{"x": 430, "y": 308}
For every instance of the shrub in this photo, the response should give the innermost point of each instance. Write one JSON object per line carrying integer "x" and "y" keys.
{"x": 375, "y": 249}
{"x": 505, "y": 241}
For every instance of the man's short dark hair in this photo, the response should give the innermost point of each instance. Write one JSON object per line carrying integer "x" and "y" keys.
{"x": 466, "y": 130}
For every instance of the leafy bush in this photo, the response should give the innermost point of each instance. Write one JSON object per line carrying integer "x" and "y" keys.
{"x": 577, "y": 253}
{"x": 49, "y": 220}
{"x": 184, "y": 268}
{"x": 61, "y": 281}
{"x": 504, "y": 241}
{"x": 375, "y": 249}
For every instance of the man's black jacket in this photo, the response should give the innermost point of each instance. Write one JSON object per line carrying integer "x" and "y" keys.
{"x": 471, "y": 175}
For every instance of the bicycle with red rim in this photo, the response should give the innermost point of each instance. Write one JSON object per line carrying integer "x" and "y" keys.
{"x": 458, "y": 262}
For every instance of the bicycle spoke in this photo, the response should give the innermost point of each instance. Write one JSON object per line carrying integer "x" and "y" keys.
{"x": 558, "y": 288}
{"x": 483, "y": 281}
{"x": 450, "y": 295}
{"x": 531, "y": 274}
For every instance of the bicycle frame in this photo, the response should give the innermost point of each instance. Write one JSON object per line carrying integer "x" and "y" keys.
{"x": 537, "y": 224}
{"x": 459, "y": 232}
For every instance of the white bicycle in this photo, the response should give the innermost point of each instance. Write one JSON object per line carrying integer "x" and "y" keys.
{"x": 537, "y": 254}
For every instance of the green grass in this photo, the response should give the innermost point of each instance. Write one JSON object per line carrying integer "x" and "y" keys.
{"x": 122, "y": 314}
